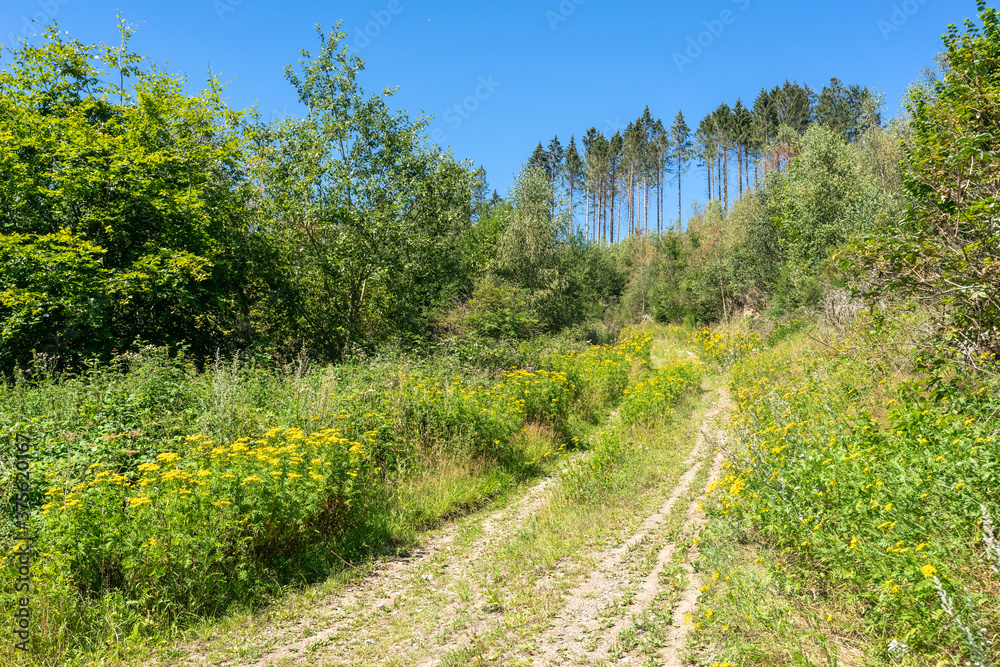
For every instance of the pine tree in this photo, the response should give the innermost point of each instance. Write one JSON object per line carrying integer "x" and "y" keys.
{"x": 707, "y": 148}
{"x": 613, "y": 160}
{"x": 574, "y": 172}
{"x": 597, "y": 156}
{"x": 765, "y": 122}
{"x": 554, "y": 168}
{"x": 539, "y": 158}
{"x": 794, "y": 104}
{"x": 588, "y": 142}
{"x": 646, "y": 127}
{"x": 742, "y": 120}
{"x": 723, "y": 117}
{"x": 660, "y": 148}
{"x": 849, "y": 110}
{"x": 632, "y": 158}
{"x": 680, "y": 135}
{"x": 480, "y": 206}
{"x": 833, "y": 109}
{"x": 556, "y": 154}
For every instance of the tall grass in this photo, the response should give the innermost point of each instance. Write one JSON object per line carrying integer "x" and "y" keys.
{"x": 881, "y": 483}
{"x": 163, "y": 494}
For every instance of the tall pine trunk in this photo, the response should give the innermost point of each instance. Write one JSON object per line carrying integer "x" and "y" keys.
{"x": 718, "y": 177}
{"x": 645, "y": 213}
{"x": 708, "y": 168}
{"x": 725, "y": 180}
{"x": 739, "y": 168}
{"x": 680, "y": 202}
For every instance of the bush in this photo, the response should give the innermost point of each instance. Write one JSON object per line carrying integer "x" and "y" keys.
{"x": 878, "y": 497}
{"x": 944, "y": 248}
{"x": 140, "y": 527}
{"x": 501, "y": 312}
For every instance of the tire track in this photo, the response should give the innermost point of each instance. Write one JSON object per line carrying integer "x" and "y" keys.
{"x": 578, "y": 624}
{"x": 401, "y": 577}
{"x": 694, "y": 523}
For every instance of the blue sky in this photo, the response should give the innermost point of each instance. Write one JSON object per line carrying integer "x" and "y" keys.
{"x": 524, "y": 70}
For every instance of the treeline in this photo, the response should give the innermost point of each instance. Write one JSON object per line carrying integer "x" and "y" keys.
{"x": 898, "y": 217}
{"x": 614, "y": 178}
{"x": 132, "y": 213}
{"x": 830, "y": 201}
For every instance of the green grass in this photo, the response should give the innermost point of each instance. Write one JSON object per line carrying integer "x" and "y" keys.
{"x": 143, "y": 535}
{"x": 856, "y": 488}
{"x": 489, "y": 591}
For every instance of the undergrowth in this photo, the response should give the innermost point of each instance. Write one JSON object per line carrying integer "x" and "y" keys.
{"x": 862, "y": 479}
{"x": 162, "y": 495}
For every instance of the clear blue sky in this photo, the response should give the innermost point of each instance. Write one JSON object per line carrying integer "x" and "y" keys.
{"x": 539, "y": 67}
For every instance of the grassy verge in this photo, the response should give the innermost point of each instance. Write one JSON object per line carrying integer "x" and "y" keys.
{"x": 860, "y": 492}
{"x": 554, "y": 552}
{"x": 147, "y": 530}
{"x": 598, "y": 505}
{"x": 496, "y": 582}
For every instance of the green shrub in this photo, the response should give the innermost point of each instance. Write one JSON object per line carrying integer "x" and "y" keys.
{"x": 879, "y": 497}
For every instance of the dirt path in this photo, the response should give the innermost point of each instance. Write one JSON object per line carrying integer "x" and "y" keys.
{"x": 695, "y": 521}
{"x": 579, "y": 634}
{"x": 399, "y": 578}
{"x": 449, "y": 602}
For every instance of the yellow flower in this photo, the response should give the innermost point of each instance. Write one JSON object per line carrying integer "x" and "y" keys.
{"x": 929, "y": 570}
{"x": 138, "y": 501}
{"x": 148, "y": 467}
{"x": 168, "y": 457}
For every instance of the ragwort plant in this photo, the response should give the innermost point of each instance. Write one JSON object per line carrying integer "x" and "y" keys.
{"x": 148, "y": 526}
{"x": 886, "y": 500}
{"x": 651, "y": 398}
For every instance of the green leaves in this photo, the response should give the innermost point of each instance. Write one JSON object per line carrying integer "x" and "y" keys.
{"x": 121, "y": 209}
{"x": 944, "y": 247}
{"x": 364, "y": 222}
{"x": 51, "y": 293}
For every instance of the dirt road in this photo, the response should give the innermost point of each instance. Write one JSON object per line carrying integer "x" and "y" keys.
{"x": 533, "y": 583}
